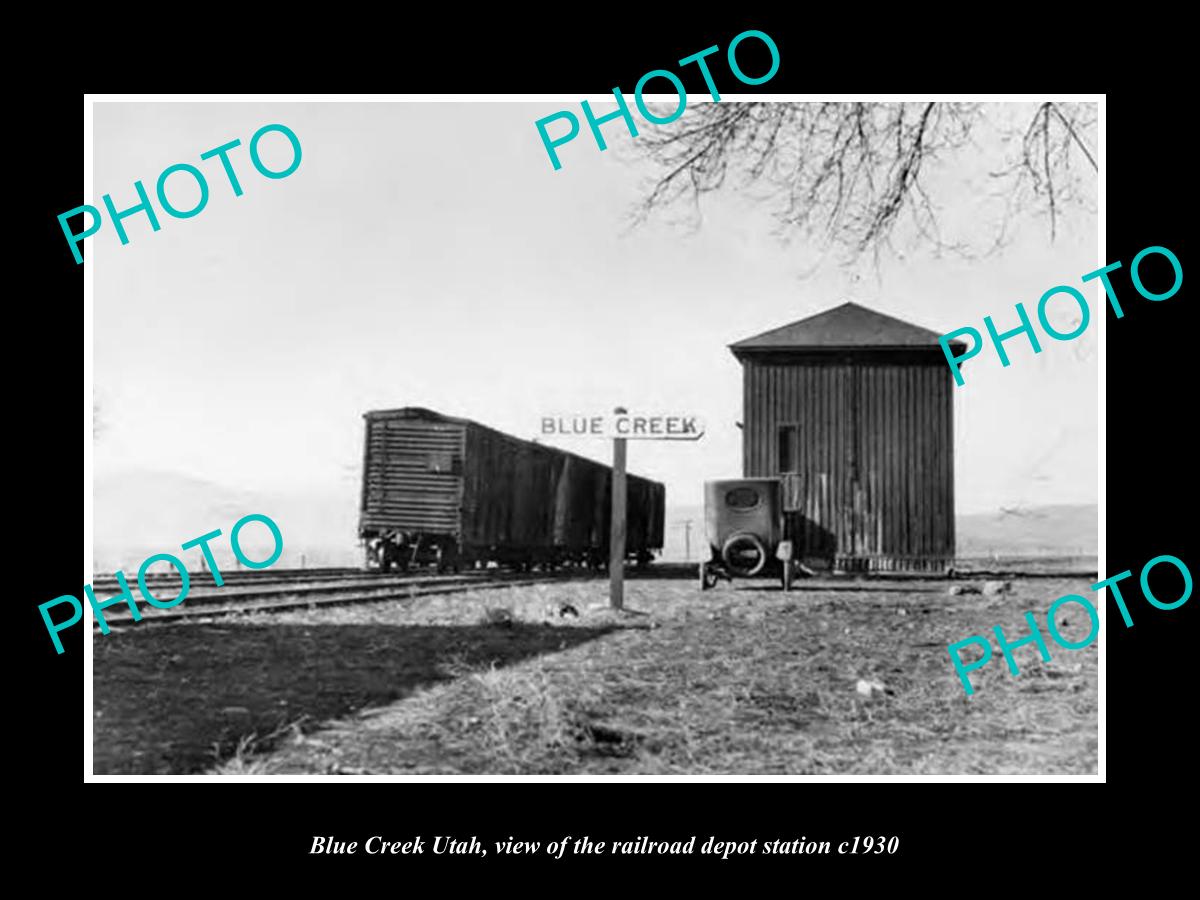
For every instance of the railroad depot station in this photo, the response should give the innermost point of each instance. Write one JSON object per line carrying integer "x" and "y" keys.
{"x": 853, "y": 411}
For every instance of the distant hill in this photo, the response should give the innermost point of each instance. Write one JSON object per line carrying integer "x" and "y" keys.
{"x": 1064, "y": 530}
{"x": 139, "y": 513}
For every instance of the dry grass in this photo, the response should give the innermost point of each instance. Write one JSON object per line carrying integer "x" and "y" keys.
{"x": 743, "y": 679}
{"x": 246, "y": 758}
{"x": 526, "y": 720}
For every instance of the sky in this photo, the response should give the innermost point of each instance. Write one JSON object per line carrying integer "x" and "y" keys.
{"x": 427, "y": 254}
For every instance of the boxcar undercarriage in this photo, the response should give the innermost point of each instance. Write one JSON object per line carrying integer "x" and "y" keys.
{"x": 402, "y": 552}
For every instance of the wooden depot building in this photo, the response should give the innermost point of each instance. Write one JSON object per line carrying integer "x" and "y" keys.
{"x": 854, "y": 411}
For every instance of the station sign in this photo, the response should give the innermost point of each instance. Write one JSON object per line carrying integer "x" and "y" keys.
{"x": 672, "y": 427}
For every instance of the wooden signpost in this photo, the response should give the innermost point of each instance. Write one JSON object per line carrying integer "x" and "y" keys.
{"x": 623, "y": 427}
{"x": 616, "y": 537}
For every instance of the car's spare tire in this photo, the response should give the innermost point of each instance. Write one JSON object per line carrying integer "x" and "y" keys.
{"x": 744, "y": 555}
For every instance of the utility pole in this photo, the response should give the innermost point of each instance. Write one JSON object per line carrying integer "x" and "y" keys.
{"x": 616, "y": 542}
{"x": 686, "y": 525}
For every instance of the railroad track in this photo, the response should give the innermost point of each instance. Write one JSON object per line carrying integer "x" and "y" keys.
{"x": 236, "y": 577}
{"x": 291, "y": 589}
{"x": 312, "y": 594}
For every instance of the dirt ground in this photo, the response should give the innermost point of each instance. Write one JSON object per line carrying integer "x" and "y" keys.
{"x": 743, "y": 679}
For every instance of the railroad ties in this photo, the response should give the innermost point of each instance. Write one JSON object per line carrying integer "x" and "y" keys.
{"x": 291, "y": 589}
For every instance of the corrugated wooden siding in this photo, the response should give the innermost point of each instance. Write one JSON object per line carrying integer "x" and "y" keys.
{"x": 506, "y": 486}
{"x": 411, "y": 475}
{"x": 490, "y": 489}
{"x": 874, "y": 488}
{"x": 530, "y": 495}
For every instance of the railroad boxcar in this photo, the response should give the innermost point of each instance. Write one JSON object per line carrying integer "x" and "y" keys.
{"x": 451, "y": 492}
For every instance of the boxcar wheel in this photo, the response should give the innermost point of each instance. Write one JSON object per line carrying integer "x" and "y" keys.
{"x": 448, "y": 560}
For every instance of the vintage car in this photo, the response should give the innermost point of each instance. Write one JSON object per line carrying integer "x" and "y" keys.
{"x": 744, "y": 524}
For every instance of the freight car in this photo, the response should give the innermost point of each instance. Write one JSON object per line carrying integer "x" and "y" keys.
{"x": 450, "y": 492}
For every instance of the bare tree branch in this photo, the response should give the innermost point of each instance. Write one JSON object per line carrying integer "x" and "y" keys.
{"x": 848, "y": 173}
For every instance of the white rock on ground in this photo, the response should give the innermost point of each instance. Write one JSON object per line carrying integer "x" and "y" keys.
{"x": 869, "y": 688}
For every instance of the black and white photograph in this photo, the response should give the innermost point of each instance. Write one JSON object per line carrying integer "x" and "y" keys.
{"x": 760, "y": 441}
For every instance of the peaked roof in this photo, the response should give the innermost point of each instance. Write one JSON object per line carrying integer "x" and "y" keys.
{"x": 843, "y": 327}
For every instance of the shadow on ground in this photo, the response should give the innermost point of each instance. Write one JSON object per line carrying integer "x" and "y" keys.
{"x": 824, "y": 587}
{"x": 177, "y": 700}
